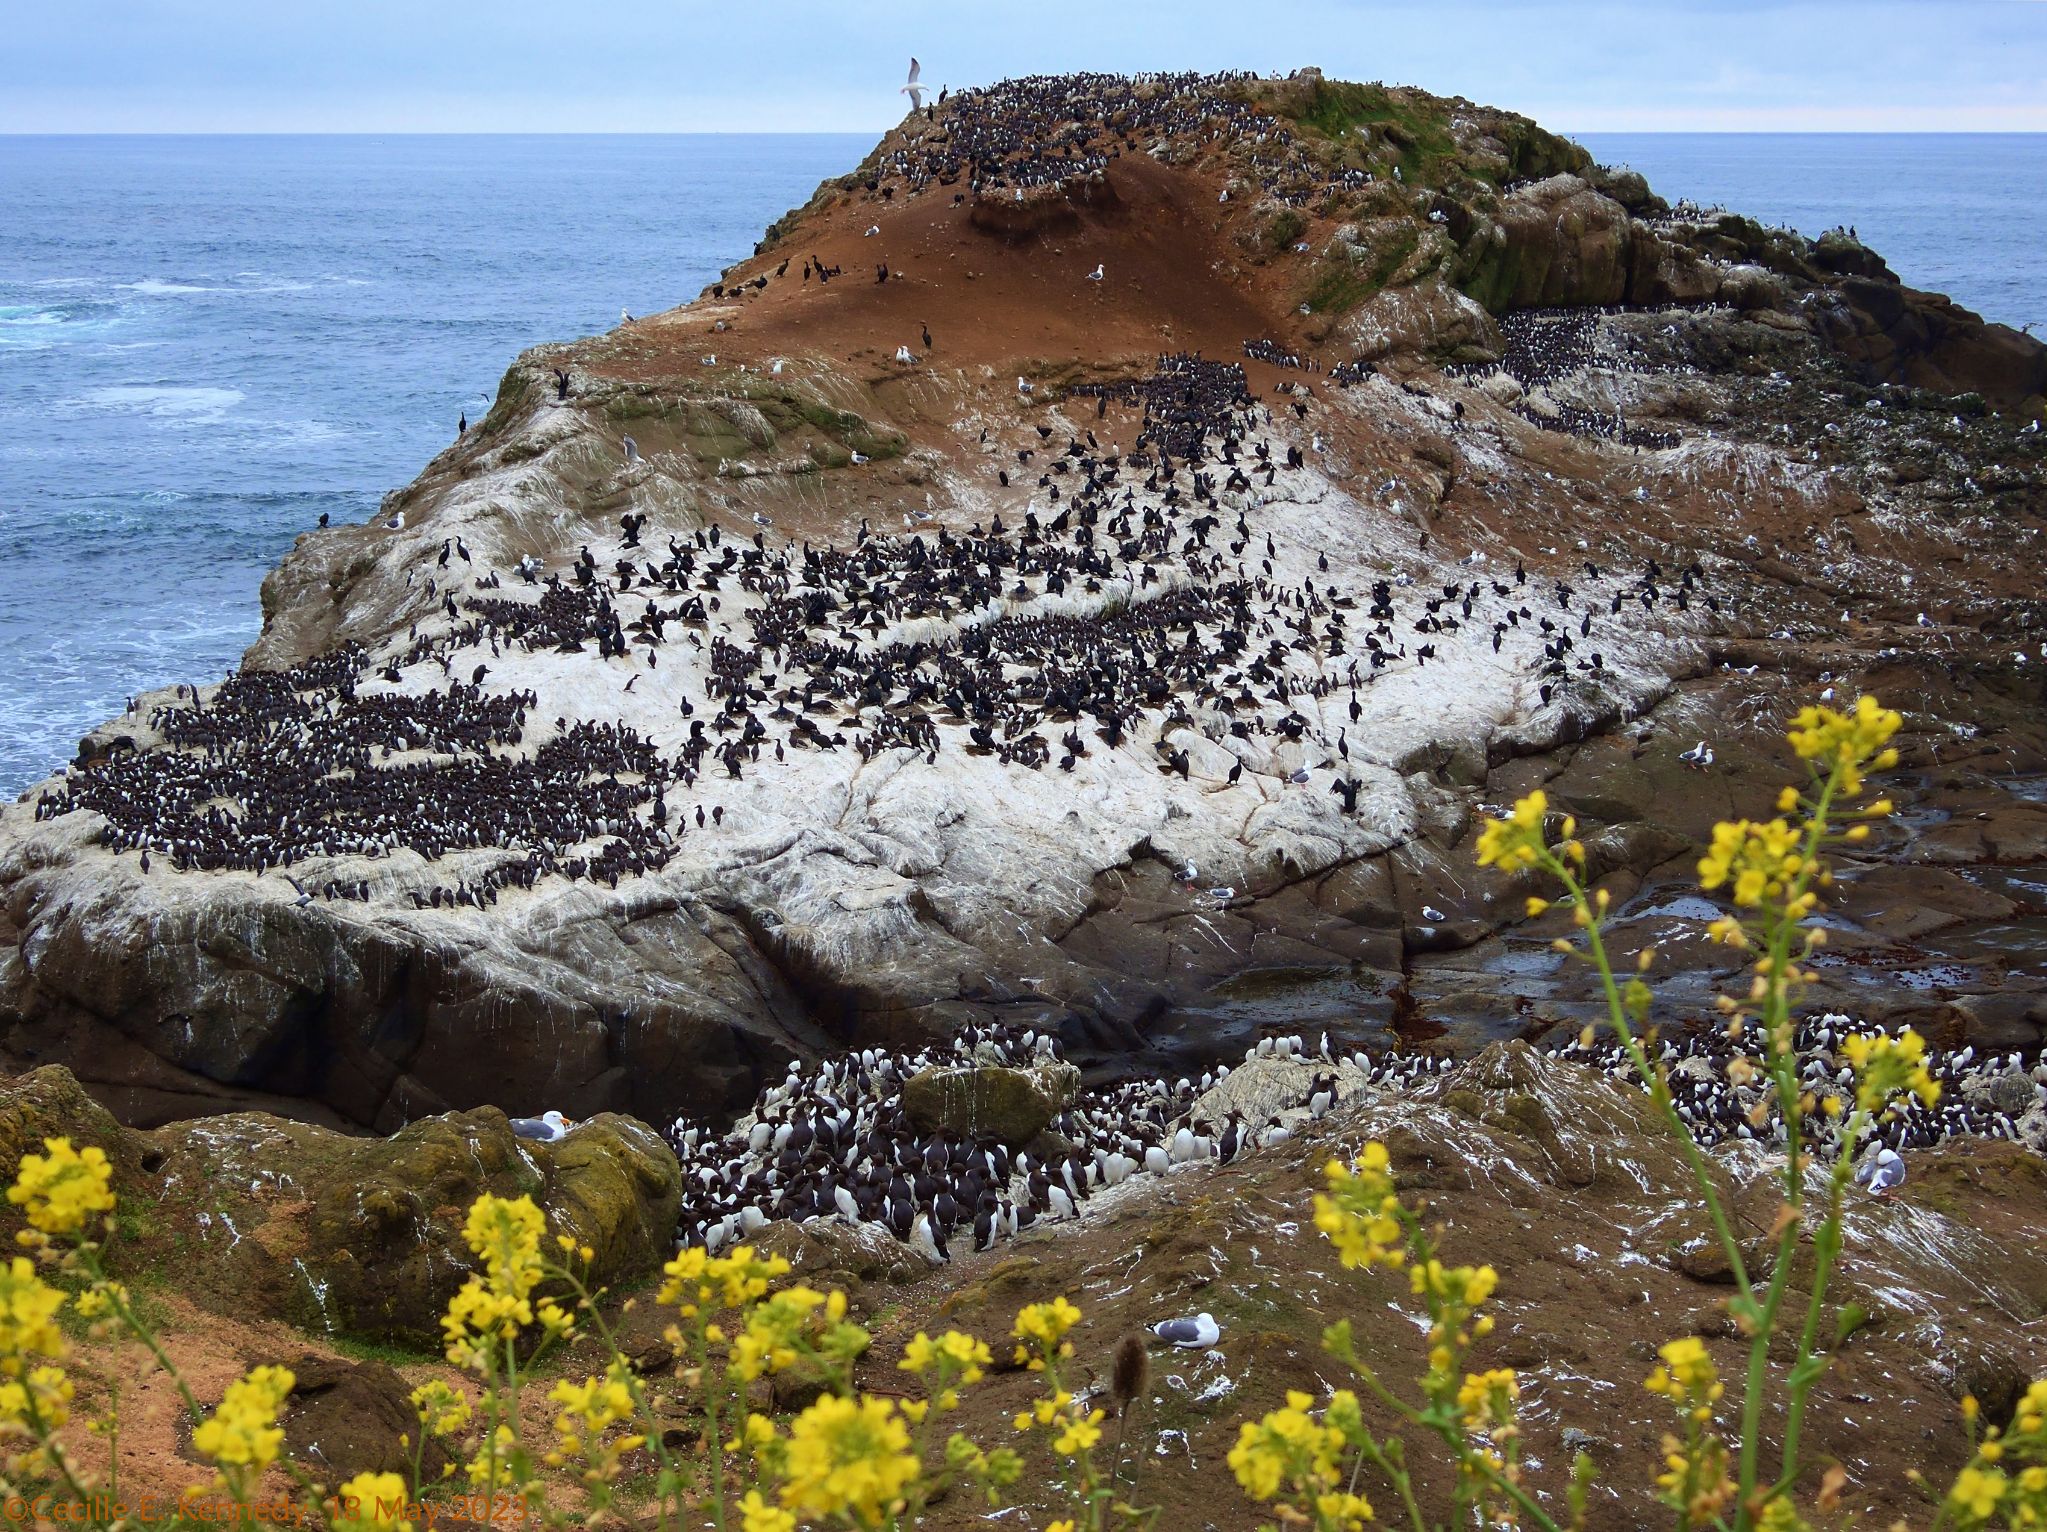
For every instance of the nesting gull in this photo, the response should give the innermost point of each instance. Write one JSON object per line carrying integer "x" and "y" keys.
{"x": 548, "y": 1127}
{"x": 1882, "y": 1174}
{"x": 1196, "y": 1334}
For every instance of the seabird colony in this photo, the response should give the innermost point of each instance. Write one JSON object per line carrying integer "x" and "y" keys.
{"x": 863, "y": 648}
{"x": 1134, "y": 596}
{"x": 837, "y": 1143}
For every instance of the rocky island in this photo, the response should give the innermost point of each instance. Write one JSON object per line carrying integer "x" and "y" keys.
{"x": 1088, "y": 575}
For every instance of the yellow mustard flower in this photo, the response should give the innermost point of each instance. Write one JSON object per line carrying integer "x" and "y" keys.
{"x": 696, "y": 1279}
{"x": 491, "y": 1465}
{"x": 243, "y": 1432}
{"x": 2031, "y": 1415}
{"x": 757, "y": 1514}
{"x": 1756, "y": 862}
{"x": 1888, "y": 1067}
{"x": 1487, "y": 1398}
{"x": 371, "y": 1502}
{"x": 1358, "y": 1215}
{"x": 1850, "y": 743}
{"x": 28, "y": 1316}
{"x": 1046, "y": 1323}
{"x": 591, "y": 1407}
{"x": 42, "y": 1398}
{"x": 1289, "y": 1452}
{"x": 953, "y": 1354}
{"x": 775, "y": 1332}
{"x": 848, "y": 1458}
{"x": 442, "y": 1410}
{"x": 61, "y": 1188}
{"x": 1515, "y": 842}
{"x": 1976, "y": 1494}
{"x": 1079, "y": 1434}
{"x": 504, "y": 1233}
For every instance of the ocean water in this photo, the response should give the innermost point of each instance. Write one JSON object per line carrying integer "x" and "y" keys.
{"x": 207, "y": 342}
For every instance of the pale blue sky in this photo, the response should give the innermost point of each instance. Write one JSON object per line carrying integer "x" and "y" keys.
{"x": 681, "y": 65}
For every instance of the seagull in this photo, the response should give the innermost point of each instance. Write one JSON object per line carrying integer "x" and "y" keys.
{"x": 625, "y": 316}
{"x": 914, "y": 90}
{"x": 547, "y": 1127}
{"x": 904, "y": 354}
{"x": 396, "y": 523}
{"x": 1883, "y": 1174}
{"x": 632, "y": 450}
{"x": 1699, "y": 755}
{"x": 1433, "y": 915}
{"x": 1196, "y": 1334}
{"x": 1189, "y": 873}
{"x": 1096, "y": 274}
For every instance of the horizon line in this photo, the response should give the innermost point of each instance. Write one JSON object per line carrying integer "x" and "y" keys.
{"x": 1664, "y": 132}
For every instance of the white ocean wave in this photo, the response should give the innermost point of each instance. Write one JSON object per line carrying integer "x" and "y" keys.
{"x": 157, "y": 287}
{"x": 183, "y": 404}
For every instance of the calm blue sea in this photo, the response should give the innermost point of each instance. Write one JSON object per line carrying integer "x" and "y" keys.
{"x": 206, "y": 342}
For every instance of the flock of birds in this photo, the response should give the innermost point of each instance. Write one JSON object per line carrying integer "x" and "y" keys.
{"x": 1042, "y": 131}
{"x": 838, "y": 1143}
{"x": 1983, "y": 1094}
{"x": 1135, "y": 603}
{"x": 1545, "y": 346}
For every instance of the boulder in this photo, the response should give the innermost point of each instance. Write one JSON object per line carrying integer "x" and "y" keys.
{"x": 1566, "y": 246}
{"x": 991, "y": 1100}
{"x": 345, "y": 1418}
{"x": 831, "y": 1252}
{"x": 50, "y": 1103}
{"x": 384, "y": 1225}
{"x": 1262, "y": 1089}
{"x": 1425, "y": 319}
{"x": 2012, "y": 1093}
{"x": 272, "y": 1218}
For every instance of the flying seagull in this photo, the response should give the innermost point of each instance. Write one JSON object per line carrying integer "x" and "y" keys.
{"x": 913, "y": 90}
{"x": 1196, "y": 1334}
{"x": 547, "y": 1127}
